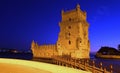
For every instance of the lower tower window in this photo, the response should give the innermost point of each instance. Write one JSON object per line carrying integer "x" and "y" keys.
{"x": 69, "y": 42}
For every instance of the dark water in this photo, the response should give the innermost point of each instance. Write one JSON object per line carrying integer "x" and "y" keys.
{"x": 107, "y": 62}
{"x": 25, "y": 56}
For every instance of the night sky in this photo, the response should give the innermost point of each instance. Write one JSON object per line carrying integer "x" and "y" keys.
{"x": 22, "y": 21}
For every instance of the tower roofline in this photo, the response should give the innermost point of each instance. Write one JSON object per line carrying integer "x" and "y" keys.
{"x": 76, "y": 9}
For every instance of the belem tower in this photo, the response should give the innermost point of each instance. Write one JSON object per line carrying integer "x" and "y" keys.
{"x": 72, "y": 39}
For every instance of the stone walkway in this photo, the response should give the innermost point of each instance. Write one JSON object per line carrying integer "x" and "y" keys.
{"x": 23, "y": 66}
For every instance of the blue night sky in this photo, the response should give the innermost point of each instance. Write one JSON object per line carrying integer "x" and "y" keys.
{"x": 22, "y": 21}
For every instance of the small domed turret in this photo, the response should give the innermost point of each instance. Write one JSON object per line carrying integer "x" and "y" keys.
{"x": 62, "y": 11}
{"x": 33, "y": 44}
{"x": 78, "y": 7}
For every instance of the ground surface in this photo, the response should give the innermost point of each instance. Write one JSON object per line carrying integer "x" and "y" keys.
{"x": 12, "y": 68}
{"x": 23, "y": 66}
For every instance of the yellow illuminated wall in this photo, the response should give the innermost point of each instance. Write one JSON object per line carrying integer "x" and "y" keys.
{"x": 73, "y": 37}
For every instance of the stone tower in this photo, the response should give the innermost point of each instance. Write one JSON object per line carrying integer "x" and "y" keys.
{"x": 73, "y": 36}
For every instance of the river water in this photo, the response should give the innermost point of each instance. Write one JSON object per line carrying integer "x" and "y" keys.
{"x": 107, "y": 62}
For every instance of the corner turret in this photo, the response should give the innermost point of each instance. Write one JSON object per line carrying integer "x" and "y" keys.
{"x": 78, "y": 7}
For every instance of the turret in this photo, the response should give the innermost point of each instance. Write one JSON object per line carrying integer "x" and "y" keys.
{"x": 78, "y": 7}
{"x": 33, "y": 44}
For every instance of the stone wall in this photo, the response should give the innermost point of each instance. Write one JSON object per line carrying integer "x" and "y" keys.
{"x": 73, "y": 36}
{"x": 44, "y": 51}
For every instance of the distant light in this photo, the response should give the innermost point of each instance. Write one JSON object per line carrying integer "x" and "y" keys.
{"x": 15, "y": 51}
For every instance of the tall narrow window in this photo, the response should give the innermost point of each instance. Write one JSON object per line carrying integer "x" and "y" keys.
{"x": 69, "y": 42}
{"x": 69, "y": 27}
{"x": 69, "y": 19}
{"x": 80, "y": 41}
{"x": 69, "y": 34}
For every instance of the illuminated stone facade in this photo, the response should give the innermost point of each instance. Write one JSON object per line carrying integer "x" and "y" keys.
{"x": 43, "y": 51}
{"x": 73, "y": 37}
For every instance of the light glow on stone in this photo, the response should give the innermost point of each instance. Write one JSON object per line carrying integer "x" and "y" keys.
{"x": 50, "y": 68}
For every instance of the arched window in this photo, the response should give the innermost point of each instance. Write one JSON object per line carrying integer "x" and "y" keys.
{"x": 69, "y": 34}
{"x": 78, "y": 42}
{"x": 70, "y": 19}
{"x": 69, "y": 27}
{"x": 69, "y": 42}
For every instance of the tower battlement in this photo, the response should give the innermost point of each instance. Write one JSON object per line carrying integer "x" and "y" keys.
{"x": 74, "y": 14}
